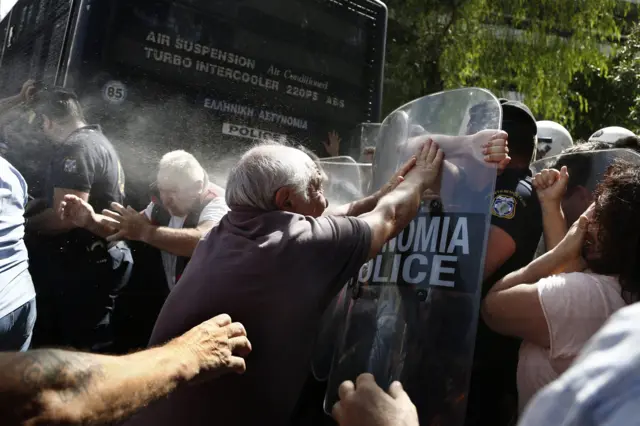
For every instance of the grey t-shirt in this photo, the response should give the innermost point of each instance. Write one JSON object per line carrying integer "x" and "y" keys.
{"x": 275, "y": 272}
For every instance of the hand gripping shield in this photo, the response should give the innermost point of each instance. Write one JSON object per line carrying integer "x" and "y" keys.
{"x": 412, "y": 312}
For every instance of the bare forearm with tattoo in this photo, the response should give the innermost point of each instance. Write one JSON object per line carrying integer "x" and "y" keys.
{"x": 59, "y": 387}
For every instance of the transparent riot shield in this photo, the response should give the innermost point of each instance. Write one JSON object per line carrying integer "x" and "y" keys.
{"x": 346, "y": 182}
{"x": 413, "y": 310}
{"x": 363, "y": 137}
{"x": 586, "y": 170}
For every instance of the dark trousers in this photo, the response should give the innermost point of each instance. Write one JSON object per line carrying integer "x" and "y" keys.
{"x": 16, "y": 328}
{"x": 77, "y": 289}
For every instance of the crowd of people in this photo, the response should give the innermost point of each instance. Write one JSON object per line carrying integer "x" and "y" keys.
{"x": 269, "y": 252}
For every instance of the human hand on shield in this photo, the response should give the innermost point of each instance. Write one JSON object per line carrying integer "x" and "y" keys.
{"x": 365, "y": 403}
{"x": 490, "y": 146}
{"x": 129, "y": 223}
{"x": 428, "y": 167}
{"x": 551, "y": 185}
{"x": 496, "y": 149}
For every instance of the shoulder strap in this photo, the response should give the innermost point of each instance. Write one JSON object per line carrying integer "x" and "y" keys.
{"x": 194, "y": 217}
{"x": 159, "y": 215}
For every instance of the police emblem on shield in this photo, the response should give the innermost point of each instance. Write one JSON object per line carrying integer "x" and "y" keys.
{"x": 504, "y": 207}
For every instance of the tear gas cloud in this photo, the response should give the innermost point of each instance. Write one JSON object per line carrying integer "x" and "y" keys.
{"x": 142, "y": 132}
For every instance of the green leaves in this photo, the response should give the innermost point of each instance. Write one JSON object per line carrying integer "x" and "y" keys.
{"x": 533, "y": 47}
{"x": 611, "y": 93}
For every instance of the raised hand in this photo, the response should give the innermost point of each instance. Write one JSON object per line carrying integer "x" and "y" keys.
{"x": 333, "y": 145}
{"x": 77, "y": 211}
{"x": 428, "y": 167}
{"x": 570, "y": 248}
{"x": 130, "y": 224}
{"x": 551, "y": 185}
{"x": 219, "y": 346}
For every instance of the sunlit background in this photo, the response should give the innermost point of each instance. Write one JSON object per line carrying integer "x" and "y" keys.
{"x": 5, "y": 7}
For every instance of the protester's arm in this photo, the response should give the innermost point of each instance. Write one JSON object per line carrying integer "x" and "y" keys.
{"x": 369, "y": 203}
{"x": 513, "y": 306}
{"x": 58, "y": 387}
{"x": 53, "y": 222}
{"x": 181, "y": 242}
{"x": 397, "y": 209}
{"x": 495, "y": 150}
{"x": 136, "y": 226}
{"x": 551, "y": 186}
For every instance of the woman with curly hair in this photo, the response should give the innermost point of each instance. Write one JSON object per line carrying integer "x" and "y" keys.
{"x": 561, "y": 299}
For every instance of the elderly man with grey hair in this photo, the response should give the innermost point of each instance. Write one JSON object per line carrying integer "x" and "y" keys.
{"x": 184, "y": 207}
{"x": 275, "y": 262}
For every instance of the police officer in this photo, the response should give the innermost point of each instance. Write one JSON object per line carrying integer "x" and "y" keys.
{"x": 77, "y": 274}
{"x": 516, "y": 228}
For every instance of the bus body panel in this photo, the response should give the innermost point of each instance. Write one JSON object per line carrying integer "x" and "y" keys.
{"x": 210, "y": 77}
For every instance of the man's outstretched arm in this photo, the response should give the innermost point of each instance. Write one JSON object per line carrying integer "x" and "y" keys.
{"x": 60, "y": 387}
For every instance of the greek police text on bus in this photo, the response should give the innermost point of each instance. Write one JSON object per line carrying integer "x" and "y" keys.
{"x": 77, "y": 274}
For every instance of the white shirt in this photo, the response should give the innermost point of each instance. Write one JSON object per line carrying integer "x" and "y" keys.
{"x": 575, "y": 306}
{"x": 213, "y": 212}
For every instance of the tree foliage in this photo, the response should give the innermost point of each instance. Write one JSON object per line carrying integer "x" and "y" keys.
{"x": 602, "y": 99}
{"x": 533, "y": 47}
{"x": 627, "y": 75}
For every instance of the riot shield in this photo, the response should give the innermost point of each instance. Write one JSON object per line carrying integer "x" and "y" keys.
{"x": 346, "y": 179}
{"x": 364, "y": 136}
{"x": 413, "y": 311}
{"x": 586, "y": 170}
{"x": 346, "y": 183}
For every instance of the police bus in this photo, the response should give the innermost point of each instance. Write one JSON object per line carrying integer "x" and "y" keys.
{"x": 207, "y": 76}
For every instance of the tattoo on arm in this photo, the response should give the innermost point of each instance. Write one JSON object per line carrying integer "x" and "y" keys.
{"x": 44, "y": 381}
{"x": 46, "y": 387}
{"x": 68, "y": 372}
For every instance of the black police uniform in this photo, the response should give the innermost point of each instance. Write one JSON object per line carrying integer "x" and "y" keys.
{"x": 78, "y": 275}
{"x": 493, "y": 394}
